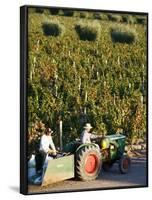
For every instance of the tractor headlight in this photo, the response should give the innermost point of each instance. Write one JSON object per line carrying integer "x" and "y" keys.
{"x": 105, "y": 144}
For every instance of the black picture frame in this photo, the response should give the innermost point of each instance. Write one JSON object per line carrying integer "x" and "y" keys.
{"x": 24, "y": 91}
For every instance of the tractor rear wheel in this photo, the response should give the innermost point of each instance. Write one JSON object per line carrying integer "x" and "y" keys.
{"x": 88, "y": 163}
{"x": 124, "y": 164}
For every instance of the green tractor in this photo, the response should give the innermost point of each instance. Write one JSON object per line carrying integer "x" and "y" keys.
{"x": 85, "y": 161}
{"x": 102, "y": 153}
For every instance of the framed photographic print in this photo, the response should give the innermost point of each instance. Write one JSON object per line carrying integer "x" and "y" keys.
{"x": 83, "y": 99}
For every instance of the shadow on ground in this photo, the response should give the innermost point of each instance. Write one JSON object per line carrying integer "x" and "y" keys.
{"x": 14, "y": 188}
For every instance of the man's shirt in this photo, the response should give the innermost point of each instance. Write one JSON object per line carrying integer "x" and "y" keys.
{"x": 86, "y": 137}
{"x": 46, "y": 143}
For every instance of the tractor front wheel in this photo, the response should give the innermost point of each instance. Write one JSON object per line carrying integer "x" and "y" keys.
{"x": 88, "y": 163}
{"x": 124, "y": 164}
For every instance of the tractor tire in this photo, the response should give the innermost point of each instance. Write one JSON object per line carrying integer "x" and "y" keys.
{"x": 107, "y": 166}
{"x": 88, "y": 163}
{"x": 124, "y": 164}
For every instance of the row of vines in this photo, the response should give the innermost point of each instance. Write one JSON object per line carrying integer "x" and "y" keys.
{"x": 100, "y": 82}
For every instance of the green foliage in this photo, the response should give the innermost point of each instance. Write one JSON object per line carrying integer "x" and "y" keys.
{"x": 68, "y": 13}
{"x": 114, "y": 17}
{"x": 128, "y": 19}
{"x": 99, "y": 82}
{"x": 100, "y": 16}
{"x": 123, "y": 34}
{"x": 52, "y": 28}
{"x": 88, "y": 31}
{"x": 36, "y": 130}
{"x": 97, "y": 16}
{"x": 39, "y": 10}
{"x": 83, "y": 14}
{"x": 141, "y": 20}
{"x": 54, "y": 11}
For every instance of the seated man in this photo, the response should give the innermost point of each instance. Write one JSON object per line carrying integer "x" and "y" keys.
{"x": 86, "y": 136}
{"x": 46, "y": 147}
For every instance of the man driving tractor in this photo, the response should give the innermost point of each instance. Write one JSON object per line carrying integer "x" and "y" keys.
{"x": 86, "y": 136}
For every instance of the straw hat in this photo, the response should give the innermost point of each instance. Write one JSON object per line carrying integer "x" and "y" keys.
{"x": 88, "y": 126}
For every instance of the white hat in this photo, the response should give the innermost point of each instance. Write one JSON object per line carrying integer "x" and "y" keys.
{"x": 88, "y": 125}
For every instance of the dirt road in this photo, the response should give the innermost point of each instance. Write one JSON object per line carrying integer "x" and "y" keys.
{"x": 112, "y": 179}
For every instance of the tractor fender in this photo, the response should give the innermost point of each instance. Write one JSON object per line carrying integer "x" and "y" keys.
{"x": 87, "y": 144}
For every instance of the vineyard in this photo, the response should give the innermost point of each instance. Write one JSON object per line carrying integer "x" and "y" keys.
{"x": 86, "y": 67}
